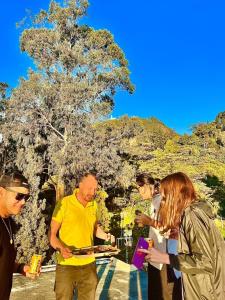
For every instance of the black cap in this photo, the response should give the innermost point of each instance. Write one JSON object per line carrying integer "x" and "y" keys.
{"x": 14, "y": 180}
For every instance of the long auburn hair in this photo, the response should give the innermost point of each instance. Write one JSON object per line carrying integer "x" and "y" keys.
{"x": 177, "y": 193}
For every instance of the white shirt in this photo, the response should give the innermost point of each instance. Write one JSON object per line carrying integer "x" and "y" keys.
{"x": 159, "y": 240}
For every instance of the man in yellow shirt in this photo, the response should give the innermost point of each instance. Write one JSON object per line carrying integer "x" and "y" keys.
{"x": 74, "y": 224}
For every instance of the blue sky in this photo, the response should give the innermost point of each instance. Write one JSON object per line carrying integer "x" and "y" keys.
{"x": 175, "y": 49}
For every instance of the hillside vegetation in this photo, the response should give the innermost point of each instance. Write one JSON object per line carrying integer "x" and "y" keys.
{"x": 159, "y": 150}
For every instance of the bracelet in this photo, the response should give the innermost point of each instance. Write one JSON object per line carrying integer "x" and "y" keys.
{"x": 20, "y": 268}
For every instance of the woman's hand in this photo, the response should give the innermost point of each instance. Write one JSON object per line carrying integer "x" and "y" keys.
{"x": 143, "y": 219}
{"x": 172, "y": 233}
{"x": 154, "y": 255}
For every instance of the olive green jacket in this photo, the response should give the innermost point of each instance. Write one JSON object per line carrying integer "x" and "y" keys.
{"x": 201, "y": 255}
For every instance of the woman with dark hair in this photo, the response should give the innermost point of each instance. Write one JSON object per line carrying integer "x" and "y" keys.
{"x": 163, "y": 282}
{"x": 145, "y": 185}
{"x": 201, "y": 248}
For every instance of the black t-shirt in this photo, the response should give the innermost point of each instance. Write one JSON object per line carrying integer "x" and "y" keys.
{"x": 7, "y": 259}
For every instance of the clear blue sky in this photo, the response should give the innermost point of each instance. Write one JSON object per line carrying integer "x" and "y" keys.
{"x": 175, "y": 49}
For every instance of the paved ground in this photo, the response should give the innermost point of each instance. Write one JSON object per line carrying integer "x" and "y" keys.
{"x": 117, "y": 281}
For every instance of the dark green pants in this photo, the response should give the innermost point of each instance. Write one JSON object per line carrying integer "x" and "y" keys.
{"x": 81, "y": 278}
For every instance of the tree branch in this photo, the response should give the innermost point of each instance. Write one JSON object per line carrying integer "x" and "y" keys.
{"x": 51, "y": 126}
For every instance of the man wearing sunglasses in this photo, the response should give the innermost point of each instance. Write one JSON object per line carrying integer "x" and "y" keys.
{"x": 14, "y": 191}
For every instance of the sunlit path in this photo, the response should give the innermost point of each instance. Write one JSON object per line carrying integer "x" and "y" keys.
{"x": 117, "y": 281}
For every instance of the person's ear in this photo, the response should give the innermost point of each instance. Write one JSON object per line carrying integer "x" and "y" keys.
{"x": 80, "y": 184}
{"x": 152, "y": 189}
{"x": 2, "y": 190}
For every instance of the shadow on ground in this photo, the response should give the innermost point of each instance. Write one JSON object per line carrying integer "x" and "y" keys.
{"x": 117, "y": 281}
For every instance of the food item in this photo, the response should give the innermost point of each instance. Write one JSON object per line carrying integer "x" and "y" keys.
{"x": 140, "y": 225}
{"x": 150, "y": 243}
{"x": 94, "y": 250}
{"x": 85, "y": 252}
{"x": 35, "y": 264}
{"x": 110, "y": 241}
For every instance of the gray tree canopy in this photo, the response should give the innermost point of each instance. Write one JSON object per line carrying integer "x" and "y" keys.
{"x": 52, "y": 115}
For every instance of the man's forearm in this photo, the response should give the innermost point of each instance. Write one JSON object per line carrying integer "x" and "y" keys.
{"x": 55, "y": 242}
{"x": 100, "y": 233}
{"x": 64, "y": 250}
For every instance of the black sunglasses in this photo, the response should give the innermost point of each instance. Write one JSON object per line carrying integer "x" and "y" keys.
{"x": 19, "y": 196}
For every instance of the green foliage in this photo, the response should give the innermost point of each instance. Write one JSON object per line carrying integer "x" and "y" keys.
{"x": 199, "y": 155}
{"x": 118, "y": 231}
{"x": 103, "y": 215}
{"x": 221, "y": 226}
{"x": 218, "y": 190}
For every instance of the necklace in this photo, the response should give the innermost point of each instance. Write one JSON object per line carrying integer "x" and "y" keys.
{"x": 9, "y": 230}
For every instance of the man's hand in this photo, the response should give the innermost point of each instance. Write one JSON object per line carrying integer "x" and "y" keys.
{"x": 101, "y": 234}
{"x": 65, "y": 252}
{"x": 143, "y": 219}
{"x": 110, "y": 238}
{"x": 154, "y": 255}
{"x": 26, "y": 272}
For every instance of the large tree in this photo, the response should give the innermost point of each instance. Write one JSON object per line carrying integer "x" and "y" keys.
{"x": 7, "y": 151}
{"x": 53, "y": 113}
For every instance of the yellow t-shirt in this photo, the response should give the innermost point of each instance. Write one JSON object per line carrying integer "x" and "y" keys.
{"x": 77, "y": 226}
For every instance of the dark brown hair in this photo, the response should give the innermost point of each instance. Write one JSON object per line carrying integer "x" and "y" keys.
{"x": 144, "y": 178}
{"x": 14, "y": 179}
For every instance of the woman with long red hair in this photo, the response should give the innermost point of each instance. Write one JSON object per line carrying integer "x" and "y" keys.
{"x": 201, "y": 248}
